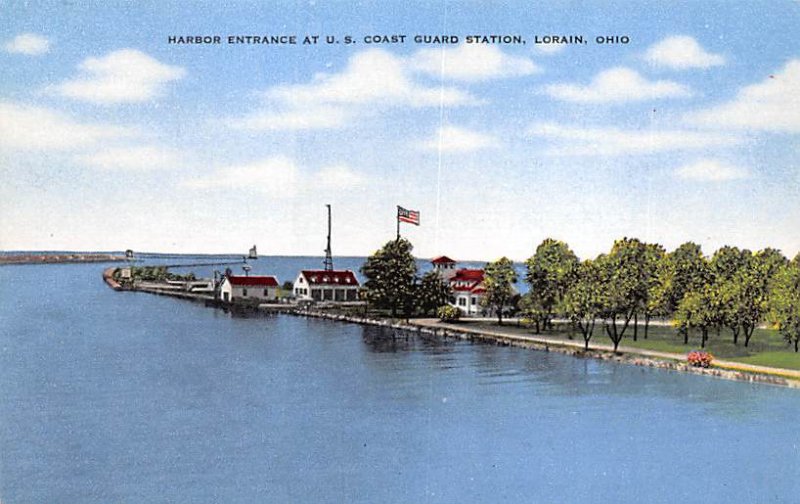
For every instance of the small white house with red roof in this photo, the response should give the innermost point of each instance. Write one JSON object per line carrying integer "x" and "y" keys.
{"x": 326, "y": 285}
{"x": 466, "y": 284}
{"x": 248, "y": 289}
{"x": 468, "y": 290}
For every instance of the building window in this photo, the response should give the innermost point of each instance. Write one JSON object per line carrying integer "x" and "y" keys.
{"x": 244, "y": 292}
{"x": 474, "y": 300}
{"x": 462, "y": 302}
{"x": 301, "y": 280}
{"x": 266, "y": 293}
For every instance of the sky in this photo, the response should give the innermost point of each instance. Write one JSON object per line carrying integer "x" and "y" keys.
{"x": 682, "y": 125}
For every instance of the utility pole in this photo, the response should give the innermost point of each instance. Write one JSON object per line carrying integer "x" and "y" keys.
{"x": 328, "y": 257}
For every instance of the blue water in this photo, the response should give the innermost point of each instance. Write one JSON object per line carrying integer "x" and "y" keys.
{"x": 126, "y": 397}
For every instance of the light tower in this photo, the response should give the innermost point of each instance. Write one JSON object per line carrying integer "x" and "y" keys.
{"x": 328, "y": 257}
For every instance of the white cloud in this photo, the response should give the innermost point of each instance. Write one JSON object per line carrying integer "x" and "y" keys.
{"x": 711, "y": 170}
{"x": 454, "y": 139}
{"x": 373, "y": 79}
{"x": 122, "y": 76}
{"x": 617, "y": 85}
{"x": 681, "y": 52}
{"x": 142, "y": 157}
{"x": 771, "y": 105}
{"x": 580, "y": 141}
{"x": 550, "y": 49}
{"x": 29, "y": 44}
{"x": 469, "y": 62}
{"x": 278, "y": 176}
{"x": 320, "y": 117}
{"x": 24, "y": 127}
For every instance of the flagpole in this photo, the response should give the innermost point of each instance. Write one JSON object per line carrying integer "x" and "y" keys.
{"x": 398, "y": 223}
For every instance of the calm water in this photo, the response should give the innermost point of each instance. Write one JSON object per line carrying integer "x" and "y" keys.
{"x": 124, "y": 397}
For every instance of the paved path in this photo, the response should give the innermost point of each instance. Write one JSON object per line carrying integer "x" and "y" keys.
{"x": 510, "y": 335}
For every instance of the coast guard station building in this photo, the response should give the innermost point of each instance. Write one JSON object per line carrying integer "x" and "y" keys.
{"x": 467, "y": 285}
{"x": 248, "y": 289}
{"x": 326, "y": 285}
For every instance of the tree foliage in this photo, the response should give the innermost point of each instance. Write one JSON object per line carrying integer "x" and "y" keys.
{"x": 583, "y": 301}
{"x": 391, "y": 277}
{"x": 499, "y": 279}
{"x": 432, "y": 292}
{"x": 785, "y": 297}
{"x": 551, "y": 271}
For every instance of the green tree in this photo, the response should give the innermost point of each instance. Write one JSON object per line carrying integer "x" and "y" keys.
{"x": 682, "y": 270}
{"x": 621, "y": 275}
{"x": 785, "y": 301}
{"x": 753, "y": 289}
{"x": 729, "y": 265}
{"x": 583, "y": 300}
{"x": 390, "y": 277}
{"x": 432, "y": 292}
{"x": 498, "y": 280}
{"x": 551, "y": 270}
{"x": 532, "y": 311}
{"x": 652, "y": 258}
{"x": 697, "y": 311}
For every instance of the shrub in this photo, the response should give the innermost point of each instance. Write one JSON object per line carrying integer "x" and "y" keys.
{"x": 699, "y": 358}
{"x": 448, "y": 313}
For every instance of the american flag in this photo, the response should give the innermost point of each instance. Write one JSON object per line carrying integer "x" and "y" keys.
{"x": 409, "y": 216}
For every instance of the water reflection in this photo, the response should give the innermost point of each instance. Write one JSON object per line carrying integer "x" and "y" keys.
{"x": 554, "y": 374}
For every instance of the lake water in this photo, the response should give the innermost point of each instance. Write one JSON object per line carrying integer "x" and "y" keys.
{"x": 127, "y": 397}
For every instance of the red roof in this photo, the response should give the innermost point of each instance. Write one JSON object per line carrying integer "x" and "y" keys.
{"x": 468, "y": 275}
{"x": 262, "y": 281}
{"x": 442, "y": 260}
{"x": 322, "y": 277}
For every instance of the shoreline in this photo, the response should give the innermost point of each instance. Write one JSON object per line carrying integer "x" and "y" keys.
{"x": 728, "y": 370}
{"x": 660, "y": 360}
{"x": 18, "y": 259}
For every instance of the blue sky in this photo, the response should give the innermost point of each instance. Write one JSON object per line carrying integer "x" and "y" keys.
{"x": 112, "y": 138}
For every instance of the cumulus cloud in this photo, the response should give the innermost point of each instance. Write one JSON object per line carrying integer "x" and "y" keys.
{"x": 681, "y": 52}
{"x": 25, "y": 127}
{"x": 469, "y": 62}
{"x": 134, "y": 158}
{"x": 581, "y": 141}
{"x": 771, "y": 105}
{"x": 711, "y": 170}
{"x": 373, "y": 79}
{"x": 277, "y": 176}
{"x": 28, "y": 44}
{"x": 298, "y": 118}
{"x": 617, "y": 85}
{"x": 123, "y": 76}
{"x": 454, "y": 139}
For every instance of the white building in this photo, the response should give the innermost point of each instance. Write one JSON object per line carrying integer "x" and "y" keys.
{"x": 248, "y": 289}
{"x": 468, "y": 290}
{"x": 322, "y": 285}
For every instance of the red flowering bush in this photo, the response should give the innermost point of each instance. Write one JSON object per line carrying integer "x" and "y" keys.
{"x": 699, "y": 358}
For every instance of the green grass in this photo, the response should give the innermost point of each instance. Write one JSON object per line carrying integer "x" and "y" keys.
{"x": 767, "y": 347}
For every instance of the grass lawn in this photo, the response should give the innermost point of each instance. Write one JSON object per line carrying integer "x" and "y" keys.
{"x": 767, "y": 347}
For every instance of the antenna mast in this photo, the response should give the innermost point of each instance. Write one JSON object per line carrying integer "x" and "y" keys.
{"x": 328, "y": 257}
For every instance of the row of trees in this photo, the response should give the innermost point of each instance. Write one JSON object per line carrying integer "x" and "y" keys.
{"x": 734, "y": 289}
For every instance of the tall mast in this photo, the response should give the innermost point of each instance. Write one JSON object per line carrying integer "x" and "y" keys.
{"x": 328, "y": 257}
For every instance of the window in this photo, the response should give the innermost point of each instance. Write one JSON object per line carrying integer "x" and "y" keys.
{"x": 474, "y": 300}
{"x": 266, "y": 293}
{"x": 301, "y": 279}
{"x": 244, "y": 292}
{"x": 462, "y": 302}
